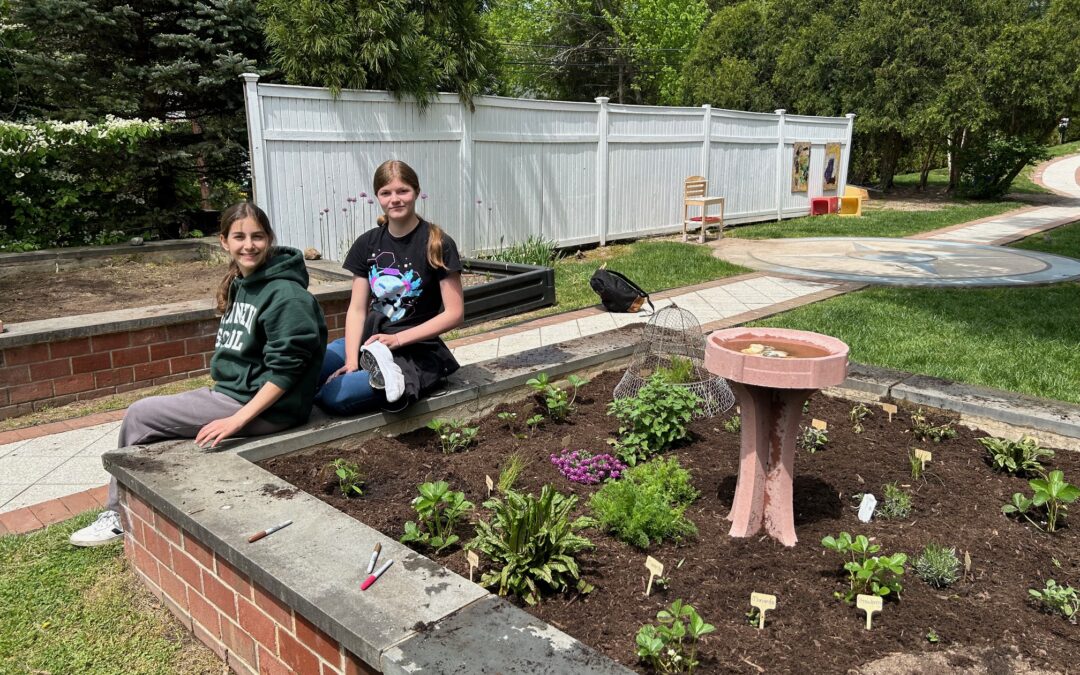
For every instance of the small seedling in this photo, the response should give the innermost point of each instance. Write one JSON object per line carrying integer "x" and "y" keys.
{"x": 806, "y": 406}
{"x": 534, "y": 422}
{"x": 812, "y": 439}
{"x": 1051, "y": 494}
{"x": 1063, "y": 600}
{"x": 733, "y": 424}
{"x": 453, "y": 435}
{"x": 753, "y": 617}
{"x": 932, "y": 637}
{"x": 916, "y": 465}
{"x": 558, "y": 402}
{"x": 923, "y": 430}
{"x": 510, "y": 418}
{"x": 1017, "y": 457}
{"x": 858, "y": 413}
{"x": 895, "y": 503}
{"x": 671, "y": 646}
{"x": 937, "y": 566}
{"x": 350, "y": 480}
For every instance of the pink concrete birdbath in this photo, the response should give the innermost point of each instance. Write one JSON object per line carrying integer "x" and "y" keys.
{"x": 772, "y": 371}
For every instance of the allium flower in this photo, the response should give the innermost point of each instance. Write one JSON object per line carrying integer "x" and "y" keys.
{"x": 363, "y": 194}
{"x": 371, "y": 201}
{"x": 479, "y": 201}
{"x": 351, "y": 200}
{"x": 423, "y": 195}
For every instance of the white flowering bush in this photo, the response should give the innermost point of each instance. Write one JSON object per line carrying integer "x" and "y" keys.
{"x": 71, "y": 183}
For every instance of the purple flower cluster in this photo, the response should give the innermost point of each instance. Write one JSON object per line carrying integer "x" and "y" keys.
{"x": 581, "y": 466}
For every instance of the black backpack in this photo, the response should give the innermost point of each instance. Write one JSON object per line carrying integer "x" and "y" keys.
{"x": 617, "y": 293}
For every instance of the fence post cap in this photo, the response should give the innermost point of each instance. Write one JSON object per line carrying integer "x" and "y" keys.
{"x": 250, "y": 77}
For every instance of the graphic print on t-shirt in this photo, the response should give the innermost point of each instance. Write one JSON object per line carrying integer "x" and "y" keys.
{"x": 396, "y": 286}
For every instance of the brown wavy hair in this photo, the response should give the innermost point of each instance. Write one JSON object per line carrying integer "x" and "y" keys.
{"x": 395, "y": 168}
{"x": 234, "y": 213}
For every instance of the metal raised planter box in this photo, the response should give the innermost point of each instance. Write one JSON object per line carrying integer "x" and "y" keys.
{"x": 518, "y": 289}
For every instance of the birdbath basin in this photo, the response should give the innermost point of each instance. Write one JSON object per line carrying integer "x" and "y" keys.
{"x": 772, "y": 372}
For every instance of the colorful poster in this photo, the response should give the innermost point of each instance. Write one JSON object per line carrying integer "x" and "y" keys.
{"x": 800, "y": 168}
{"x": 832, "y": 166}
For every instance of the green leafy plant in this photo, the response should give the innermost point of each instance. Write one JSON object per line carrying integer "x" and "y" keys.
{"x": 679, "y": 371}
{"x": 812, "y": 440}
{"x": 924, "y": 430}
{"x": 670, "y": 645}
{"x": 534, "y": 422}
{"x": 454, "y": 435}
{"x": 858, "y": 413}
{"x": 350, "y": 480}
{"x": 652, "y": 420}
{"x": 867, "y": 573}
{"x": 895, "y": 503}
{"x": 558, "y": 402}
{"x": 515, "y": 464}
{"x": 1017, "y": 457}
{"x": 510, "y": 418}
{"x": 937, "y": 566}
{"x": 932, "y": 637}
{"x": 438, "y": 509}
{"x": 536, "y": 250}
{"x": 733, "y": 424}
{"x": 916, "y": 465}
{"x": 532, "y": 543}
{"x": 1063, "y": 600}
{"x": 646, "y": 505}
{"x": 1051, "y": 494}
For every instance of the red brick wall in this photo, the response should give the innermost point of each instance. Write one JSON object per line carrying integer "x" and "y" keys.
{"x": 57, "y": 373}
{"x": 240, "y": 621}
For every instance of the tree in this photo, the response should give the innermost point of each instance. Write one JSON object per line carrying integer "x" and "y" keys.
{"x": 409, "y": 47}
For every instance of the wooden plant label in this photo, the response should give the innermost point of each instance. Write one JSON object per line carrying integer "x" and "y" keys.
{"x": 490, "y": 484}
{"x": 821, "y": 425}
{"x": 566, "y": 441}
{"x": 889, "y": 408}
{"x": 656, "y": 569}
{"x": 869, "y": 604}
{"x": 923, "y": 456}
{"x": 474, "y": 562}
{"x": 763, "y": 602}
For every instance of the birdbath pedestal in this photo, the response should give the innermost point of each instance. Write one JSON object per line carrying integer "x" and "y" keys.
{"x": 771, "y": 391}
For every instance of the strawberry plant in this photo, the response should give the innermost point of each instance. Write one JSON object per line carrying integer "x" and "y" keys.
{"x": 867, "y": 574}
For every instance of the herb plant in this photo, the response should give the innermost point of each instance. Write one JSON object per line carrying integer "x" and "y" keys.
{"x": 515, "y": 464}
{"x": 438, "y": 509}
{"x": 350, "y": 480}
{"x": 532, "y": 542}
{"x": 1051, "y": 494}
{"x": 916, "y": 465}
{"x": 581, "y": 466}
{"x": 679, "y": 371}
{"x": 867, "y": 574}
{"x": 1063, "y": 600}
{"x": 858, "y": 413}
{"x": 923, "y": 430}
{"x": 558, "y": 402}
{"x": 671, "y": 645}
{"x": 812, "y": 440}
{"x": 454, "y": 435}
{"x": 895, "y": 503}
{"x": 937, "y": 566}
{"x": 652, "y": 420}
{"x": 1022, "y": 457}
{"x": 646, "y": 506}
{"x": 733, "y": 424}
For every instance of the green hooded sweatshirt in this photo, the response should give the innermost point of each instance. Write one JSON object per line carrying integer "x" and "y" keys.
{"x": 272, "y": 331}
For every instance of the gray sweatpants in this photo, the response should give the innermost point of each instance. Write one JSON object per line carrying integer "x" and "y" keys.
{"x": 161, "y": 418}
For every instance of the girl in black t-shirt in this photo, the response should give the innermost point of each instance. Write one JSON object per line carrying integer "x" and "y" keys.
{"x": 406, "y": 292}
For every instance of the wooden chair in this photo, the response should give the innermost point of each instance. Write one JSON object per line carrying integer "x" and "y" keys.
{"x": 694, "y": 190}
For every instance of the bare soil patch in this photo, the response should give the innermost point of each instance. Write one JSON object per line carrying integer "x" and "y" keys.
{"x": 957, "y": 503}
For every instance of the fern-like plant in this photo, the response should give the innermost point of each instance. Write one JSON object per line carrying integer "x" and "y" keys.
{"x": 646, "y": 505}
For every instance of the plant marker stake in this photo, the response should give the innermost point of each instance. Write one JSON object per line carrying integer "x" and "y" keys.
{"x": 374, "y": 557}
{"x": 490, "y": 484}
{"x": 378, "y": 573}
{"x": 474, "y": 562}
{"x": 869, "y": 604}
{"x": 763, "y": 602}
{"x": 656, "y": 569}
{"x": 923, "y": 456}
{"x": 268, "y": 531}
{"x": 821, "y": 425}
{"x": 889, "y": 408}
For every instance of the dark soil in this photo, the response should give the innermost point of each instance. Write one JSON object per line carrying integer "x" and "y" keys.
{"x": 957, "y": 504}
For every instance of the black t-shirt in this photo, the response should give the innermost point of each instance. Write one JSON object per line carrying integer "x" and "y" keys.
{"x": 404, "y": 287}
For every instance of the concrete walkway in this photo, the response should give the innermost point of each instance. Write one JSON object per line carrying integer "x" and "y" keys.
{"x": 47, "y": 472}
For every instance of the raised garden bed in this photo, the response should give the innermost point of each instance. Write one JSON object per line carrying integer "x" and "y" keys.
{"x": 986, "y": 620}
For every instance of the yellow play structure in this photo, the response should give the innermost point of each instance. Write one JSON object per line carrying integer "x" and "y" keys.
{"x": 851, "y": 201}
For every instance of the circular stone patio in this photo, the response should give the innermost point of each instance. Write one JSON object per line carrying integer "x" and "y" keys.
{"x": 899, "y": 262}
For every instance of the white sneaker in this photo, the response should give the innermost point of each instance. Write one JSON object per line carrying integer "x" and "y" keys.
{"x": 384, "y": 374}
{"x": 106, "y": 529}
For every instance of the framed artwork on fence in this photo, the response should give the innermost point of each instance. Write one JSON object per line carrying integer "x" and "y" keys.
{"x": 832, "y": 166}
{"x": 800, "y": 168}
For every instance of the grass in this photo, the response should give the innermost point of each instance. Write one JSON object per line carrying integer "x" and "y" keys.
{"x": 938, "y": 179}
{"x": 1017, "y": 339}
{"x": 68, "y": 610}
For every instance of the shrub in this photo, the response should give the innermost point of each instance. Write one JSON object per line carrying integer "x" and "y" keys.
{"x": 581, "y": 466}
{"x": 937, "y": 566}
{"x": 532, "y": 544}
{"x": 453, "y": 435}
{"x": 1016, "y": 457}
{"x": 989, "y": 162}
{"x": 895, "y": 503}
{"x": 558, "y": 402}
{"x": 923, "y": 430}
{"x": 350, "y": 480}
{"x": 867, "y": 574}
{"x": 438, "y": 509}
{"x": 1051, "y": 494}
{"x": 646, "y": 506}
{"x": 1055, "y": 599}
{"x": 652, "y": 420}
{"x": 671, "y": 646}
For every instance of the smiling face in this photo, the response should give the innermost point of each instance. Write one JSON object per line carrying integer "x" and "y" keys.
{"x": 247, "y": 243}
{"x": 398, "y": 200}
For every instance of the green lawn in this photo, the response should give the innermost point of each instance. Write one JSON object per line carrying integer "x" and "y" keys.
{"x": 69, "y": 610}
{"x": 1017, "y": 339}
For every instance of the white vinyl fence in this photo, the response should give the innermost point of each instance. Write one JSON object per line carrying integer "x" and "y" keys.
{"x": 573, "y": 172}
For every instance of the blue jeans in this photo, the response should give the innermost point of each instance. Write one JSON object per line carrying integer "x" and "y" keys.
{"x": 346, "y": 394}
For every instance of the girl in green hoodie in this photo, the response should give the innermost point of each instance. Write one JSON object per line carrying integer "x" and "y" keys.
{"x": 267, "y": 357}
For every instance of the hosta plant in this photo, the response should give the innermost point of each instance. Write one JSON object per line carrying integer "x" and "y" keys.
{"x": 438, "y": 510}
{"x": 1063, "y": 600}
{"x": 454, "y": 435}
{"x": 531, "y": 543}
{"x": 868, "y": 574}
{"x": 670, "y": 646}
{"x": 558, "y": 402}
{"x": 1050, "y": 494}
{"x": 1022, "y": 457}
{"x": 652, "y": 420}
